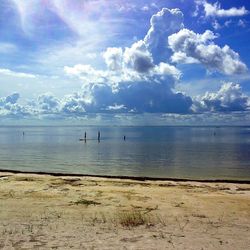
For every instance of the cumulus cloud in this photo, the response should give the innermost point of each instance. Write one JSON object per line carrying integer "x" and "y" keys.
{"x": 113, "y": 58}
{"x": 134, "y": 98}
{"x": 120, "y": 92}
{"x": 167, "y": 69}
{"x": 137, "y": 80}
{"x": 215, "y": 10}
{"x": 200, "y": 47}
{"x": 12, "y": 99}
{"x": 73, "y": 104}
{"x": 48, "y": 103}
{"x": 137, "y": 97}
{"x": 43, "y": 106}
{"x": 181, "y": 57}
{"x": 10, "y": 108}
{"x": 140, "y": 61}
{"x": 229, "y": 98}
{"x": 133, "y": 64}
{"x": 90, "y": 75}
{"x": 162, "y": 24}
{"x": 138, "y": 58}
{"x": 131, "y": 83}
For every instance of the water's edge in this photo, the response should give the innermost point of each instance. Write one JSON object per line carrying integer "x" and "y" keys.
{"x": 137, "y": 178}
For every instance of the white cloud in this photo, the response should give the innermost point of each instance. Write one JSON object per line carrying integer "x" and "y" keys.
{"x": 187, "y": 38}
{"x": 181, "y": 57}
{"x": 10, "y": 108}
{"x": 128, "y": 90}
{"x": 145, "y": 57}
{"x": 229, "y": 98}
{"x": 48, "y": 103}
{"x": 73, "y": 104}
{"x": 215, "y": 10}
{"x": 200, "y": 47}
{"x": 9, "y": 72}
{"x": 167, "y": 69}
{"x": 133, "y": 63}
{"x": 113, "y": 58}
{"x": 162, "y": 24}
{"x": 12, "y": 99}
{"x": 136, "y": 97}
{"x": 134, "y": 82}
{"x": 138, "y": 58}
{"x": 87, "y": 73}
{"x": 116, "y": 107}
{"x": 131, "y": 83}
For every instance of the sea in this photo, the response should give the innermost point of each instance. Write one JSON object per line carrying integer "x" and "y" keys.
{"x": 143, "y": 151}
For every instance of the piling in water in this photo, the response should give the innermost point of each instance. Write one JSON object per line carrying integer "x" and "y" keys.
{"x": 99, "y": 136}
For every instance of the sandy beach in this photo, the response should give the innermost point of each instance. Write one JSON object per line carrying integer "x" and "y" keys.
{"x": 71, "y": 212}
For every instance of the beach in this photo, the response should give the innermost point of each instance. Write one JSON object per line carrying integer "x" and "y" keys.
{"x": 77, "y": 212}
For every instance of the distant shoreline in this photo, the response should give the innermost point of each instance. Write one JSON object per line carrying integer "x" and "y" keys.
{"x": 125, "y": 126}
{"x": 138, "y": 178}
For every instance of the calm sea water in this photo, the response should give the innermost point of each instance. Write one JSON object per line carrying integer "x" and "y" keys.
{"x": 186, "y": 152}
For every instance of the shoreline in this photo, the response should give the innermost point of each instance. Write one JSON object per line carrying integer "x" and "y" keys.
{"x": 124, "y": 177}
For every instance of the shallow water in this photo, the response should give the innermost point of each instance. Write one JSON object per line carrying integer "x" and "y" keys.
{"x": 180, "y": 152}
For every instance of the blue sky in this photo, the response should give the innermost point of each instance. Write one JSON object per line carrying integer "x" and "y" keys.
{"x": 125, "y": 62}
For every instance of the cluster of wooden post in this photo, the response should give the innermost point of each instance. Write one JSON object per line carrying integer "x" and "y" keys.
{"x": 98, "y": 137}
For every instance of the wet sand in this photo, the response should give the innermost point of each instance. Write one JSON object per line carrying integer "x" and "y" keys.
{"x": 76, "y": 212}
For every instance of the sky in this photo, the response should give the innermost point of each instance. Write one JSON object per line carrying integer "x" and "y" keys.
{"x": 165, "y": 62}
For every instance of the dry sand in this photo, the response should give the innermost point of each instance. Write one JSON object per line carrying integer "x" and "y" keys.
{"x": 47, "y": 212}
